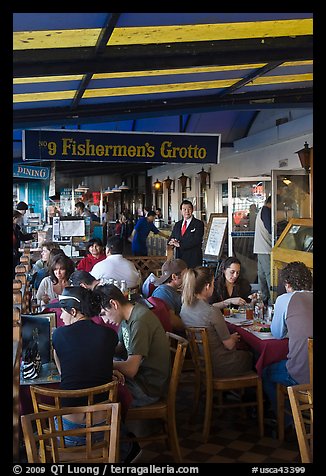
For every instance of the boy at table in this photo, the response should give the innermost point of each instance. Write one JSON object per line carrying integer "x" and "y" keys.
{"x": 293, "y": 318}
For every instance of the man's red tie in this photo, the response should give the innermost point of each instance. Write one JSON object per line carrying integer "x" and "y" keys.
{"x": 184, "y": 227}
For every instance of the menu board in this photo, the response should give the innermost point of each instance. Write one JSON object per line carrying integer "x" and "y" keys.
{"x": 215, "y": 236}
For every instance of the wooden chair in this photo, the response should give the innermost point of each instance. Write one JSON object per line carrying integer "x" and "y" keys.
{"x": 199, "y": 345}
{"x": 45, "y": 398}
{"x": 282, "y": 394}
{"x": 164, "y": 409}
{"x": 311, "y": 359}
{"x": 301, "y": 400}
{"x": 107, "y": 452}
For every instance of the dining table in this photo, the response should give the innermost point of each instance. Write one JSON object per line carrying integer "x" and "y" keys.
{"x": 267, "y": 348}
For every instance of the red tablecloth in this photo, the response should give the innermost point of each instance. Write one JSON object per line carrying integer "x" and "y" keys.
{"x": 269, "y": 350}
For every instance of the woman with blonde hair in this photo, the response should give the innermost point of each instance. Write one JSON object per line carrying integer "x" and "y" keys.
{"x": 198, "y": 286}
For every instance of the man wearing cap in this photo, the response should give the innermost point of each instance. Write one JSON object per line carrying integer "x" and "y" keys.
{"x": 168, "y": 289}
{"x": 187, "y": 236}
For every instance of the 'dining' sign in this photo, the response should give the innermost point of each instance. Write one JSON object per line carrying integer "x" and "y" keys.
{"x": 121, "y": 146}
{"x": 31, "y": 172}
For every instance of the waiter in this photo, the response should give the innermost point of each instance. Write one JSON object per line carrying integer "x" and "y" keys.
{"x": 187, "y": 236}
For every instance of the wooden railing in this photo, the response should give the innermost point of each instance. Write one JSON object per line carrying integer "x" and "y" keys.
{"x": 147, "y": 264}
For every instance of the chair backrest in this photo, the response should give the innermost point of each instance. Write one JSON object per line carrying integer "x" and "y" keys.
{"x": 44, "y": 398}
{"x": 178, "y": 347}
{"x": 200, "y": 352}
{"x": 91, "y": 452}
{"x": 162, "y": 311}
{"x": 311, "y": 359}
{"x": 301, "y": 400}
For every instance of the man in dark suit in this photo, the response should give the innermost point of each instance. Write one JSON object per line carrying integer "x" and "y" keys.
{"x": 187, "y": 236}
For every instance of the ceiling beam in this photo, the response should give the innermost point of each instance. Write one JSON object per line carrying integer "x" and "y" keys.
{"x": 102, "y": 40}
{"x": 62, "y": 61}
{"x": 276, "y": 99}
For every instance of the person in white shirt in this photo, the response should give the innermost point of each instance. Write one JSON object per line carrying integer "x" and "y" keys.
{"x": 115, "y": 266}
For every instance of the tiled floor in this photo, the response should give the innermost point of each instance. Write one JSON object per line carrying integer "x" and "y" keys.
{"x": 233, "y": 439}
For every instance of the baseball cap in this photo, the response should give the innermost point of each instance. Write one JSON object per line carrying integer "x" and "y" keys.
{"x": 172, "y": 266}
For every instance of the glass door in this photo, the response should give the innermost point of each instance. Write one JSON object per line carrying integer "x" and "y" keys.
{"x": 246, "y": 195}
{"x": 291, "y": 198}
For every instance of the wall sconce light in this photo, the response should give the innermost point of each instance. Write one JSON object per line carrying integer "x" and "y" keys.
{"x": 304, "y": 156}
{"x": 116, "y": 188}
{"x": 123, "y": 186}
{"x": 203, "y": 175}
{"x": 82, "y": 188}
{"x": 157, "y": 185}
{"x": 169, "y": 183}
{"x": 183, "y": 180}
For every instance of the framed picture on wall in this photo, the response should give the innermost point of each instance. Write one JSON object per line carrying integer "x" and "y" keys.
{"x": 215, "y": 236}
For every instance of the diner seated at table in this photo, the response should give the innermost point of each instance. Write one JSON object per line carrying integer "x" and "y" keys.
{"x": 293, "y": 318}
{"x": 94, "y": 254}
{"x": 143, "y": 352}
{"x": 87, "y": 280}
{"x": 44, "y": 271}
{"x": 83, "y": 353}
{"x": 116, "y": 266}
{"x": 197, "y": 288}
{"x": 169, "y": 290}
{"x": 46, "y": 247}
{"x": 143, "y": 347}
{"x": 230, "y": 288}
{"x": 51, "y": 286}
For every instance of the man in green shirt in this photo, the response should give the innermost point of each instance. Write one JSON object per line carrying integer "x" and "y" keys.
{"x": 142, "y": 341}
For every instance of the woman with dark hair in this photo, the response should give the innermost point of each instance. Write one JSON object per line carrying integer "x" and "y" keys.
{"x": 83, "y": 353}
{"x": 95, "y": 254}
{"x": 39, "y": 275}
{"x": 230, "y": 287}
{"x": 46, "y": 246}
{"x": 52, "y": 285}
{"x": 227, "y": 361}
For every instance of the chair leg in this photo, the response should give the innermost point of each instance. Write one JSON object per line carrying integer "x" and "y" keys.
{"x": 280, "y": 399}
{"x": 173, "y": 440}
{"x": 197, "y": 386}
{"x": 208, "y": 414}
{"x": 260, "y": 407}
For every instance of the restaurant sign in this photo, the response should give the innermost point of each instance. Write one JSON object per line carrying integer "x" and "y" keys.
{"x": 131, "y": 147}
{"x": 31, "y": 172}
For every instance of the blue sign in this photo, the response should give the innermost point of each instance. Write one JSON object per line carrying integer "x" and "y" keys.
{"x": 128, "y": 147}
{"x": 31, "y": 172}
